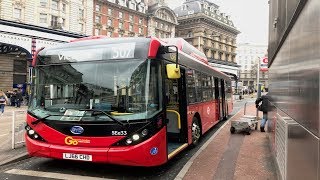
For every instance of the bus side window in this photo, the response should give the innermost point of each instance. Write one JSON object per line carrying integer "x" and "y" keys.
{"x": 198, "y": 86}
{"x": 191, "y": 86}
{"x": 216, "y": 85}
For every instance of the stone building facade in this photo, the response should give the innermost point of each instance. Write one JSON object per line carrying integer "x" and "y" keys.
{"x": 121, "y": 18}
{"x": 203, "y": 25}
{"x": 162, "y": 20}
{"x": 66, "y": 15}
{"x": 248, "y": 56}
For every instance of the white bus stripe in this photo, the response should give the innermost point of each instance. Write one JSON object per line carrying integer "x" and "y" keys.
{"x": 51, "y": 175}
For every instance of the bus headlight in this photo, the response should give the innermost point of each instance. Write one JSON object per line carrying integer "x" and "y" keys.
{"x": 136, "y": 137}
{"x": 33, "y": 134}
{"x": 128, "y": 141}
{"x": 143, "y": 133}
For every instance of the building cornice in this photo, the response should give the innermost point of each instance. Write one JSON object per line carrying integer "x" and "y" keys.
{"x": 201, "y": 16}
{"x": 211, "y": 60}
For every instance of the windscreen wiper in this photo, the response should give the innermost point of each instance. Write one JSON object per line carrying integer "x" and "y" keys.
{"x": 109, "y": 116}
{"x": 42, "y": 119}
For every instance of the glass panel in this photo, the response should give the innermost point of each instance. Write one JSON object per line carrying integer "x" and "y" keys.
{"x": 127, "y": 90}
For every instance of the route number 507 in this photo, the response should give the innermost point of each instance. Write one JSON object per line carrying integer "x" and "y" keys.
{"x": 122, "y": 52}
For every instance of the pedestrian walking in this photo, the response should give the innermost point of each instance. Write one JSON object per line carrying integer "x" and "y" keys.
{"x": 3, "y": 101}
{"x": 18, "y": 98}
{"x": 264, "y": 107}
{"x": 13, "y": 98}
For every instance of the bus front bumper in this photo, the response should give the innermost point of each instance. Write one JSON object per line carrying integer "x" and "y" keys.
{"x": 152, "y": 152}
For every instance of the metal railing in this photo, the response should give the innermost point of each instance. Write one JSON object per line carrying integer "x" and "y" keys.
{"x": 17, "y": 128}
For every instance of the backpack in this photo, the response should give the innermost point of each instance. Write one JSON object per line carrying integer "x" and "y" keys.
{"x": 2, "y": 99}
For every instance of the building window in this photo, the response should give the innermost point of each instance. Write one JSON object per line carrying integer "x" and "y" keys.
{"x": 81, "y": 27}
{"x": 109, "y": 23}
{"x": 156, "y": 24}
{"x": 54, "y": 5}
{"x": 109, "y": 11}
{"x": 63, "y": 22}
{"x": 131, "y": 18}
{"x": 64, "y": 7}
{"x": 161, "y": 25}
{"x": 109, "y": 33}
{"x": 43, "y": 3}
{"x": 132, "y": 5}
{"x": 141, "y": 8}
{"x": 98, "y": 7}
{"x": 96, "y": 32}
{"x": 81, "y": 13}
{"x": 184, "y": 7}
{"x": 54, "y": 21}
{"x": 120, "y": 25}
{"x": 140, "y": 20}
{"x": 98, "y": 19}
{"x": 130, "y": 27}
{"x": 17, "y": 13}
{"x": 120, "y": 15}
{"x": 122, "y": 2}
{"x": 140, "y": 30}
{"x": 189, "y": 34}
{"x": 43, "y": 18}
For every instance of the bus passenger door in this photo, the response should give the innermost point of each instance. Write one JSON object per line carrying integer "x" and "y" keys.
{"x": 217, "y": 98}
{"x": 175, "y": 90}
{"x": 223, "y": 106}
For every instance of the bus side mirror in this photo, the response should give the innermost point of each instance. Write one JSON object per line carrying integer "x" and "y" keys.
{"x": 173, "y": 71}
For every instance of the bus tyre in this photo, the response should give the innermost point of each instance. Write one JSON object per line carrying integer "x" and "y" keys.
{"x": 196, "y": 131}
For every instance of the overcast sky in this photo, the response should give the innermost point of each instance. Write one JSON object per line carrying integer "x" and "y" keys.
{"x": 249, "y": 16}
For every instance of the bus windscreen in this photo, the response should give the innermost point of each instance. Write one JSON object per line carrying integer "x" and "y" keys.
{"x": 126, "y": 90}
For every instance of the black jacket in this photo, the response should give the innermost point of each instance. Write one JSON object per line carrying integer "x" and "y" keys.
{"x": 265, "y": 105}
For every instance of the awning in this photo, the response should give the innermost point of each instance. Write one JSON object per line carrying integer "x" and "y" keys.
{"x": 13, "y": 49}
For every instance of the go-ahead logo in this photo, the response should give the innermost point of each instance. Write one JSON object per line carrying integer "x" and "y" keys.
{"x": 71, "y": 141}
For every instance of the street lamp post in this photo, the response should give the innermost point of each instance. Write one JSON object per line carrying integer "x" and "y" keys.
{"x": 258, "y": 85}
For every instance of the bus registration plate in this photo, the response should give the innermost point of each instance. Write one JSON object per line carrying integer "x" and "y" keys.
{"x": 80, "y": 157}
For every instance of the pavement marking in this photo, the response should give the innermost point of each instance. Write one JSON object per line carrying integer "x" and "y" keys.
{"x": 227, "y": 164}
{"x": 186, "y": 167}
{"x": 43, "y": 174}
{"x": 4, "y": 134}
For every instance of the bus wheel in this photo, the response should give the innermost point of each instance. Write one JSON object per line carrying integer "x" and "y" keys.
{"x": 196, "y": 131}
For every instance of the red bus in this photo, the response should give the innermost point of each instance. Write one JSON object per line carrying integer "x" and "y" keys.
{"x": 128, "y": 101}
